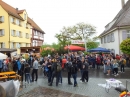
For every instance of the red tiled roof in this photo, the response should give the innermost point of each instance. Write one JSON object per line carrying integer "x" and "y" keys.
{"x": 20, "y": 11}
{"x": 12, "y": 11}
{"x": 34, "y": 25}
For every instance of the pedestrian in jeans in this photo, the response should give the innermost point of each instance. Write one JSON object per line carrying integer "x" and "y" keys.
{"x": 27, "y": 73}
{"x": 35, "y": 69}
{"x": 115, "y": 67}
{"x": 74, "y": 70}
{"x": 122, "y": 64}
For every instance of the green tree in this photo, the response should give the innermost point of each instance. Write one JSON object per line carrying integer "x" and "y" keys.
{"x": 125, "y": 46}
{"x": 92, "y": 44}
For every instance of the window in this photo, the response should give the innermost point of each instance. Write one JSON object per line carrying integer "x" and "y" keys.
{"x": 27, "y": 26}
{"x": 20, "y": 34}
{"x": 17, "y": 22}
{"x": 105, "y": 39}
{"x": 108, "y": 38}
{"x": 17, "y": 33}
{"x": 17, "y": 45}
{"x": 27, "y": 35}
{"x": 24, "y": 16}
{"x": 128, "y": 34}
{"x": 2, "y": 33}
{"x": 1, "y": 19}
{"x": 112, "y": 37}
{"x": 12, "y": 20}
{"x": 2, "y": 44}
{"x": 13, "y": 33}
{"x": 13, "y": 45}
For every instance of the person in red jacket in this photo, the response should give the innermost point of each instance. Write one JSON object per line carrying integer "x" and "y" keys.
{"x": 98, "y": 61}
{"x": 64, "y": 61}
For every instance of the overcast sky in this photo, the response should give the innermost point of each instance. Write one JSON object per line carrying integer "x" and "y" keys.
{"x": 52, "y": 15}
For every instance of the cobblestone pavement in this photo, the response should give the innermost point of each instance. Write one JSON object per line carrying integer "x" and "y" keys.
{"x": 47, "y": 92}
{"x": 90, "y": 89}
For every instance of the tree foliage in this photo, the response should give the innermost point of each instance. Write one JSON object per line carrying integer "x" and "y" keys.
{"x": 125, "y": 46}
{"x": 76, "y": 32}
{"x": 92, "y": 44}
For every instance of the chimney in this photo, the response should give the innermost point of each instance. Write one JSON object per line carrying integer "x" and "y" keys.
{"x": 17, "y": 9}
{"x": 122, "y": 3}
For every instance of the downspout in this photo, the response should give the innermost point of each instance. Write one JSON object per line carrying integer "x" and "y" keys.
{"x": 9, "y": 30}
{"x": 119, "y": 39}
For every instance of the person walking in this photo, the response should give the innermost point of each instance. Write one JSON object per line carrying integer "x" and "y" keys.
{"x": 35, "y": 69}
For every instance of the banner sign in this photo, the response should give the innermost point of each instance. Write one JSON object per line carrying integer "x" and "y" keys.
{"x": 77, "y": 42}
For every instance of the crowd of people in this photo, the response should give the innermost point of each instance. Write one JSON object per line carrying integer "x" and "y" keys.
{"x": 71, "y": 62}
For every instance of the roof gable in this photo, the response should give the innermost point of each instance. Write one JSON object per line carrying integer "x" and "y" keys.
{"x": 34, "y": 25}
{"x": 121, "y": 19}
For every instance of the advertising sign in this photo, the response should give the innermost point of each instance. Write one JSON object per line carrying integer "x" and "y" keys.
{"x": 77, "y": 42}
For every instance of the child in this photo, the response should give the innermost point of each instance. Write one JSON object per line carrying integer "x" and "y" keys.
{"x": 27, "y": 73}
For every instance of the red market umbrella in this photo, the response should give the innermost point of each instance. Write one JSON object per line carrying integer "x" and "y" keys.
{"x": 74, "y": 48}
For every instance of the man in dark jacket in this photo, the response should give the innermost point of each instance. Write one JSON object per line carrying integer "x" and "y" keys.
{"x": 74, "y": 70}
{"x": 69, "y": 64}
{"x": 85, "y": 71}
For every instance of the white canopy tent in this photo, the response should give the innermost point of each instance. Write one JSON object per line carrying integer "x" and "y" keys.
{"x": 3, "y": 56}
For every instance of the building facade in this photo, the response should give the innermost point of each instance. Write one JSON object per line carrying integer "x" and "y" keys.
{"x": 15, "y": 27}
{"x": 37, "y": 35}
{"x": 117, "y": 30}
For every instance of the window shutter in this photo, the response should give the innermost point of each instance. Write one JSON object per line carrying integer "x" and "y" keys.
{"x": 12, "y": 33}
{"x": 11, "y": 44}
{"x": 16, "y": 45}
{"x": 124, "y": 35}
{"x": 113, "y": 37}
{"x": 11, "y": 19}
{"x": 3, "y": 45}
{"x": 3, "y": 33}
{"x": 2, "y": 19}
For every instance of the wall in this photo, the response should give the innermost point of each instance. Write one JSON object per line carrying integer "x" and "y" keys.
{"x": 4, "y": 26}
{"x": 112, "y": 45}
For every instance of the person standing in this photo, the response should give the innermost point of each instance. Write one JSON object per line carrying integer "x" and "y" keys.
{"x": 115, "y": 67}
{"x": 35, "y": 69}
{"x": 85, "y": 71}
{"x": 10, "y": 65}
{"x": 56, "y": 69}
{"x": 27, "y": 73}
{"x": 69, "y": 64}
{"x": 48, "y": 66}
{"x": 122, "y": 64}
{"x": 74, "y": 70}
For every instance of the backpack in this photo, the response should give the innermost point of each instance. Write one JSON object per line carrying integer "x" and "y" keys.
{"x": 124, "y": 62}
{"x": 58, "y": 67}
{"x": 72, "y": 69}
